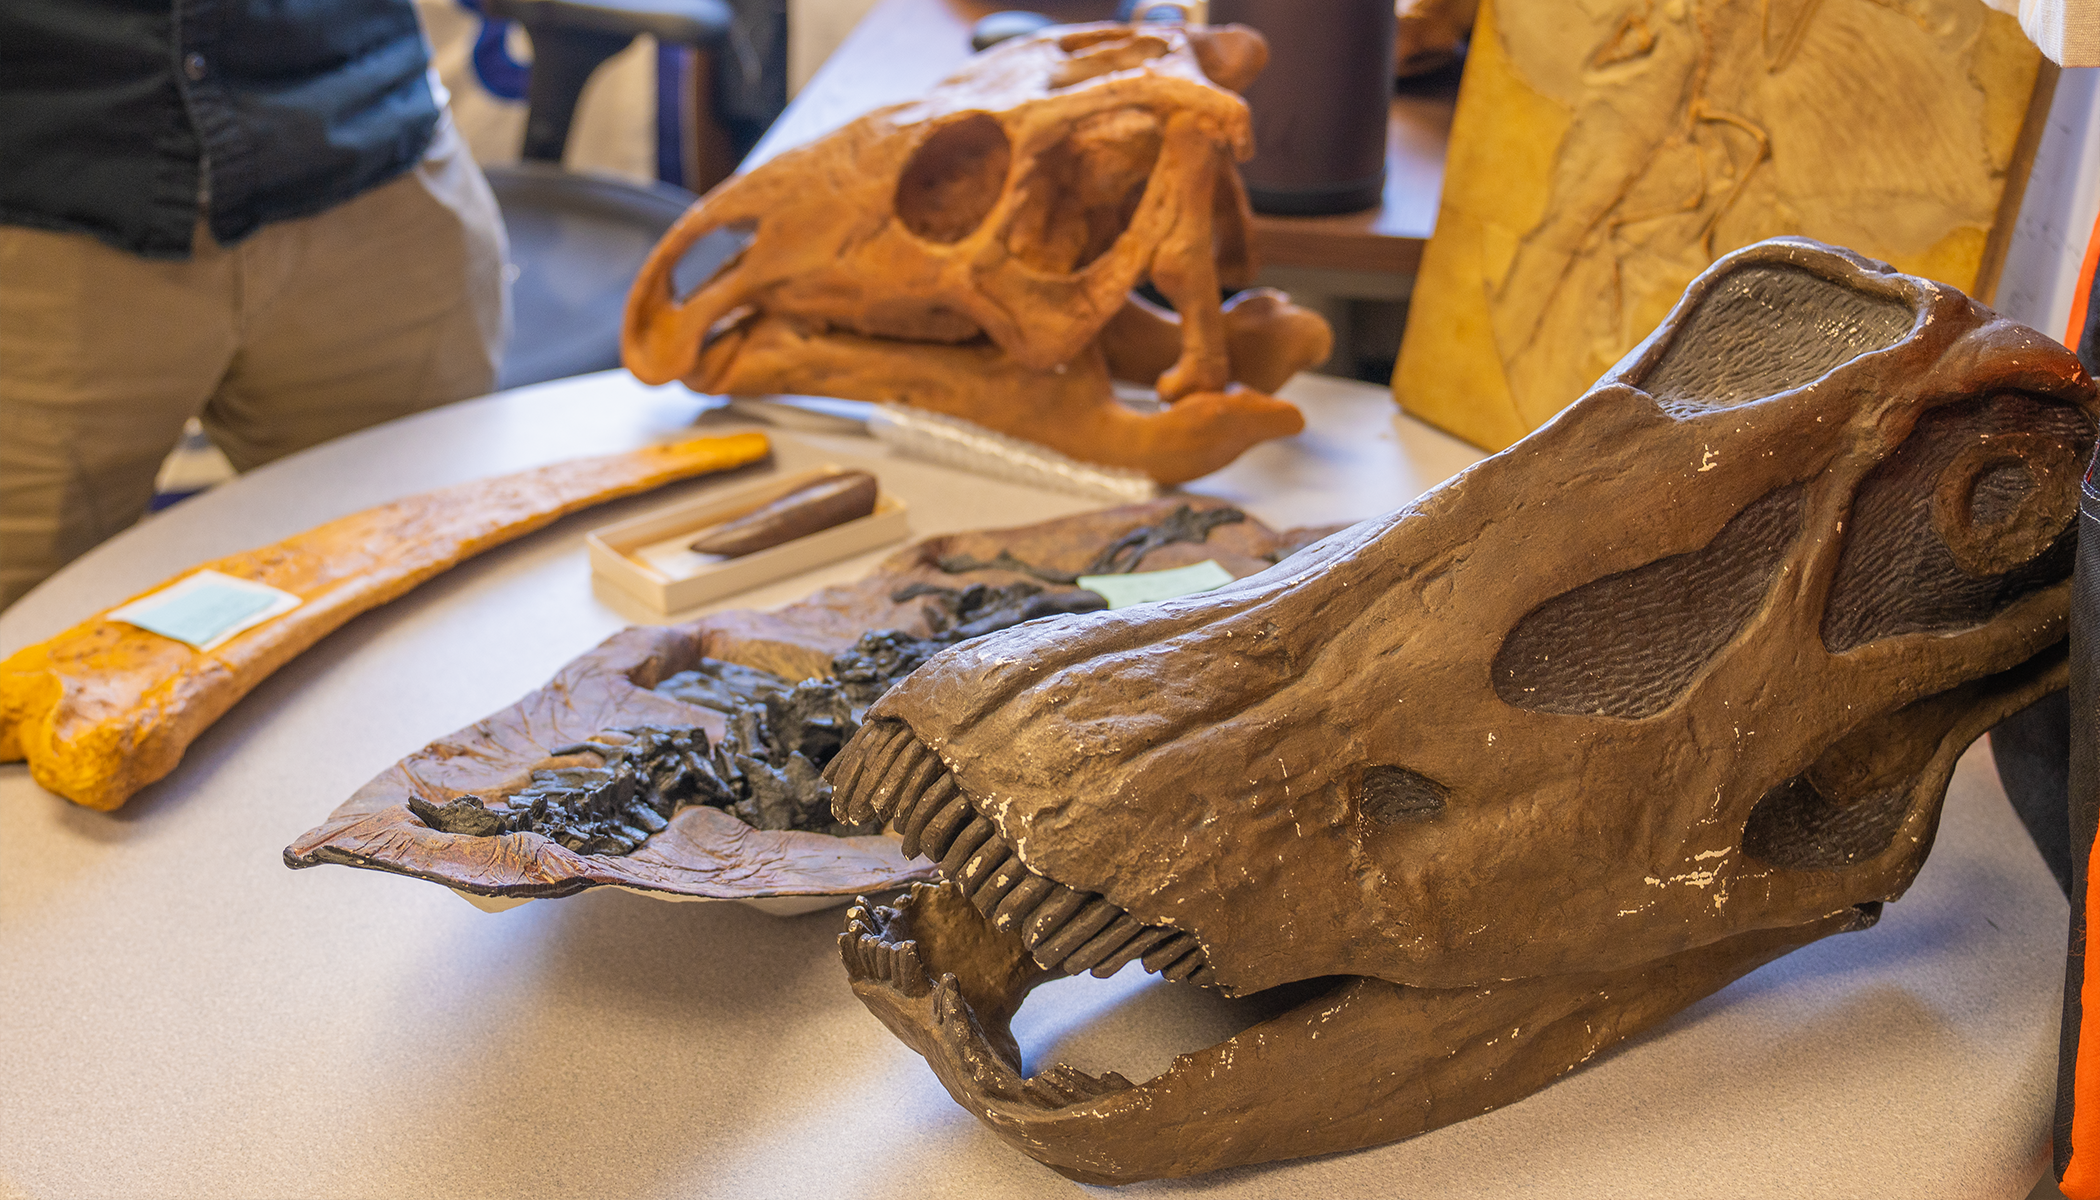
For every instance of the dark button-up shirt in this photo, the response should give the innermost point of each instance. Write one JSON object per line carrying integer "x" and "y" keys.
{"x": 119, "y": 118}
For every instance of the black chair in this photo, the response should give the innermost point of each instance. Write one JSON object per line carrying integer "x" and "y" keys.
{"x": 577, "y": 241}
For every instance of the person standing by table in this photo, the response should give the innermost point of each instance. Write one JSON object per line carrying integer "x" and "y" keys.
{"x": 245, "y": 211}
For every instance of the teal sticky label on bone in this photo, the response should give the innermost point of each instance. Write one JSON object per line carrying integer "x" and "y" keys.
{"x": 206, "y": 608}
{"x": 1122, "y": 591}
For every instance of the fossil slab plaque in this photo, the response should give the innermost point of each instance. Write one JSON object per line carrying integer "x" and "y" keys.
{"x": 633, "y": 681}
{"x": 1604, "y": 154}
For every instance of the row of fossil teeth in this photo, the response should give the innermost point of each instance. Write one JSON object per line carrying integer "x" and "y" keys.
{"x": 871, "y": 953}
{"x": 870, "y": 950}
{"x": 887, "y": 774}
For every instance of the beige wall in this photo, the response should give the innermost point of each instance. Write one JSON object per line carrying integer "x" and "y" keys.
{"x": 815, "y": 29}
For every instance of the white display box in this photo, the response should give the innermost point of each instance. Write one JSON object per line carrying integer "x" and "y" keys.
{"x": 647, "y": 557}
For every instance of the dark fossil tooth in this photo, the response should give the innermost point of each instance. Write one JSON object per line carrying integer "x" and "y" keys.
{"x": 880, "y": 767}
{"x": 931, "y": 803}
{"x": 1003, "y": 879}
{"x": 1147, "y": 937}
{"x": 912, "y": 808}
{"x": 883, "y": 759}
{"x": 1109, "y": 940}
{"x": 844, "y": 768}
{"x": 924, "y": 769}
{"x": 1021, "y": 901}
{"x": 1064, "y": 929}
{"x": 1066, "y": 1085}
{"x": 1163, "y": 955}
{"x": 1184, "y": 967}
{"x": 871, "y": 754}
{"x": 908, "y": 776}
{"x": 1075, "y": 933}
{"x": 843, "y": 772}
{"x": 940, "y": 832}
{"x": 981, "y": 863}
{"x": 809, "y": 509}
{"x": 1050, "y": 916}
{"x": 974, "y": 834}
{"x": 908, "y": 967}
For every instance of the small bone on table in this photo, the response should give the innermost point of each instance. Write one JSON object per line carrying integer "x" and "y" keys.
{"x": 181, "y": 1016}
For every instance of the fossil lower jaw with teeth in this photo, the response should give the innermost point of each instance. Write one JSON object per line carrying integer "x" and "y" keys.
{"x": 1377, "y": 1060}
{"x": 948, "y": 966}
{"x": 890, "y": 776}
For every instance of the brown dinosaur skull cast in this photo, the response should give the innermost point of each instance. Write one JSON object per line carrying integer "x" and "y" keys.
{"x": 974, "y": 252}
{"x": 1667, "y": 689}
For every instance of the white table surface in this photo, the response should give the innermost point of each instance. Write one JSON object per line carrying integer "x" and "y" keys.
{"x": 181, "y": 1016}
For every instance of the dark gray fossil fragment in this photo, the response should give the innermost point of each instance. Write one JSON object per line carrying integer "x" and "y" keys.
{"x": 884, "y": 656}
{"x": 767, "y": 769}
{"x": 722, "y": 686}
{"x": 646, "y": 774}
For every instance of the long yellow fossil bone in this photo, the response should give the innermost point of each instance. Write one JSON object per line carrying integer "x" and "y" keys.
{"x": 106, "y": 708}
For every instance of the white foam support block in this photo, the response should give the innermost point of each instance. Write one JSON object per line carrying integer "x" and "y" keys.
{"x": 954, "y": 442}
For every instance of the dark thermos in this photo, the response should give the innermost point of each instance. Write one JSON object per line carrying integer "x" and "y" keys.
{"x": 1320, "y": 107}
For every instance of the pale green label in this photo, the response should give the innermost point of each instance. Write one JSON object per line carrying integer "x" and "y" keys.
{"x": 207, "y": 608}
{"x": 1122, "y": 591}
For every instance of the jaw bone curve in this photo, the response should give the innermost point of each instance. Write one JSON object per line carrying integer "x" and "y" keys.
{"x": 1664, "y": 691}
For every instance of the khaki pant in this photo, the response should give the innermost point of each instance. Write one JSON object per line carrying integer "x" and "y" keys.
{"x": 387, "y": 304}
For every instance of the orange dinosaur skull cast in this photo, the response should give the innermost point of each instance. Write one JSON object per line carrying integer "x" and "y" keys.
{"x": 975, "y": 252}
{"x": 1665, "y": 690}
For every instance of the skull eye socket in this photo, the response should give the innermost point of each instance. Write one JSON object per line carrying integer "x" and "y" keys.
{"x": 1970, "y": 513}
{"x": 954, "y": 178}
{"x": 1390, "y": 795}
{"x": 1629, "y": 644}
{"x": 2003, "y": 501}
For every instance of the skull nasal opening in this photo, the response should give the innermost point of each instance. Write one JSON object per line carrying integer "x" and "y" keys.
{"x": 953, "y": 179}
{"x": 1628, "y": 645}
